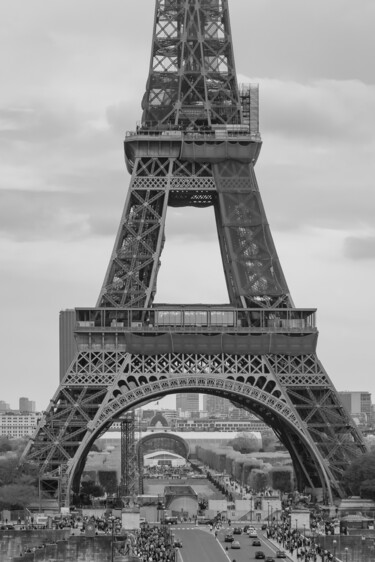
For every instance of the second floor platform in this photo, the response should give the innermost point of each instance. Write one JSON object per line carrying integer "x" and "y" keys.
{"x": 195, "y": 319}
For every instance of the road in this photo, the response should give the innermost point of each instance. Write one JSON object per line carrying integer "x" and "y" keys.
{"x": 199, "y": 544}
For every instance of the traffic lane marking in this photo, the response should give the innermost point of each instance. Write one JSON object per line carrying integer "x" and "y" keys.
{"x": 202, "y": 547}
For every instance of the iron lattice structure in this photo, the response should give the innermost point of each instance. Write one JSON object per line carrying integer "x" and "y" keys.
{"x": 129, "y": 467}
{"x": 197, "y": 146}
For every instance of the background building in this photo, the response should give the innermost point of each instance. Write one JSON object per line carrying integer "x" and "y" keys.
{"x": 26, "y": 405}
{"x": 16, "y": 425}
{"x": 187, "y": 402}
{"x": 358, "y": 404}
{"x": 215, "y": 405}
{"x": 4, "y": 406}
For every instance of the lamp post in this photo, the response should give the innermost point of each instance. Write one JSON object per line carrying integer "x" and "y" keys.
{"x": 334, "y": 551}
{"x": 363, "y": 541}
{"x": 346, "y": 554}
{"x": 296, "y": 524}
{"x": 251, "y": 508}
{"x": 112, "y": 519}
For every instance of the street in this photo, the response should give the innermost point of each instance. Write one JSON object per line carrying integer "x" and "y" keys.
{"x": 199, "y": 544}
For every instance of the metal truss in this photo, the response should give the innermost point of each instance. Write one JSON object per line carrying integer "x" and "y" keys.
{"x": 129, "y": 466}
{"x": 197, "y": 146}
{"x": 193, "y": 36}
{"x": 301, "y": 406}
{"x": 252, "y": 267}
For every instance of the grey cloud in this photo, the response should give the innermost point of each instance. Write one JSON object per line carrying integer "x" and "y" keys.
{"x": 37, "y": 124}
{"x": 64, "y": 215}
{"x": 121, "y": 117}
{"x": 304, "y": 40}
{"x": 60, "y": 141}
{"x": 321, "y": 111}
{"x": 40, "y": 216}
{"x": 191, "y": 224}
{"x": 360, "y": 248}
{"x": 296, "y": 197}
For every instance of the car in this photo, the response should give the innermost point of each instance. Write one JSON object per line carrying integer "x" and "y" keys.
{"x": 252, "y": 534}
{"x": 228, "y": 537}
{"x": 264, "y": 526}
{"x": 204, "y": 521}
{"x": 269, "y": 559}
{"x": 237, "y": 531}
{"x": 177, "y": 543}
{"x": 259, "y": 555}
{"x": 256, "y": 543}
{"x": 235, "y": 544}
{"x": 280, "y": 554}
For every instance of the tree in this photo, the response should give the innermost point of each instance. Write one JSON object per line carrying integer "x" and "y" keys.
{"x": 8, "y": 470}
{"x": 258, "y": 480}
{"x": 108, "y": 479}
{"x": 367, "y": 489}
{"x": 269, "y": 442}
{"x": 245, "y": 444}
{"x": 202, "y": 503}
{"x": 5, "y": 445}
{"x": 90, "y": 488}
{"x": 12, "y": 473}
{"x": 17, "y": 496}
{"x": 360, "y": 472}
{"x": 282, "y": 479}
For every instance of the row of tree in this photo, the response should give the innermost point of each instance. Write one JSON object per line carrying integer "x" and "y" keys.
{"x": 358, "y": 479}
{"x": 19, "y": 485}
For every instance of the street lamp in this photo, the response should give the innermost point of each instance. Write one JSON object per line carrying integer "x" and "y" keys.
{"x": 112, "y": 519}
{"x": 334, "y": 550}
{"x": 363, "y": 541}
{"x": 346, "y": 554}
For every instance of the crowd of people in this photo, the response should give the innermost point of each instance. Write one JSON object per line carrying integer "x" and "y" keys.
{"x": 154, "y": 544}
{"x": 297, "y": 543}
{"x": 165, "y": 471}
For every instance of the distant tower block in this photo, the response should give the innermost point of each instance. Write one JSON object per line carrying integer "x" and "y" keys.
{"x": 197, "y": 146}
{"x": 26, "y": 405}
{"x": 187, "y": 402}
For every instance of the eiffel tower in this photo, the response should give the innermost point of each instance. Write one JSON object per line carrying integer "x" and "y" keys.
{"x": 197, "y": 145}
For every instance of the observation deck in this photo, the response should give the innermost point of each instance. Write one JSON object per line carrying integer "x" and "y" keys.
{"x": 209, "y": 329}
{"x": 209, "y": 144}
{"x": 196, "y": 318}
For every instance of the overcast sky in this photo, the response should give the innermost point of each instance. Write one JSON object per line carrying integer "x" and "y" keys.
{"x": 72, "y": 77}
